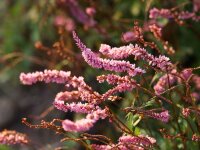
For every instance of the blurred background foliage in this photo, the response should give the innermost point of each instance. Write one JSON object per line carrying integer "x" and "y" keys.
{"x": 31, "y": 39}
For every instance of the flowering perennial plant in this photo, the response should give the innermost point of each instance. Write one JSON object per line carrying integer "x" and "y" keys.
{"x": 87, "y": 101}
{"x": 157, "y": 90}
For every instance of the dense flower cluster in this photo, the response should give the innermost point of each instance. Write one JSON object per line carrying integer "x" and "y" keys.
{"x": 115, "y": 79}
{"x": 164, "y": 81}
{"x": 161, "y": 62}
{"x": 64, "y": 100}
{"x": 46, "y": 76}
{"x": 10, "y": 137}
{"x": 67, "y": 23}
{"x": 186, "y": 74}
{"x": 75, "y": 107}
{"x": 84, "y": 124}
{"x": 186, "y": 112}
{"x": 166, "y": 13}
{"x": 112, "y": 65}
{"x": 127, "y": 142}
{"x": 163, "y": 116}
{"x": 68, "y": 96}
{"x": 156, "y": 30}
{"x": 130, "y": 36}
{"x": 94, "y": 112}
{"x": 195, "y": 137}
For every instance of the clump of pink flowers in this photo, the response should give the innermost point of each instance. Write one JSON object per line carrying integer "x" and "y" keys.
{"x": 169, "y": 14}
{"x": 81, "y": 98}
{"x": 112, "y": 65}
{"x": 143, "y": 84}
{"x": 10, "y": 137}
{"x": 126, "y": 142}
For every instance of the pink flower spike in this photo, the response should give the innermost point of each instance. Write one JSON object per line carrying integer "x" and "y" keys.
{"x": 84, "y": 124}
{"x": 114, "y": 79}
{"x": 186, "y": 112}
{"x": 67, "y": 96}
{"x": 137, "y": 140}
{"x": 163, "y": 116}
{"x": 119, "y": 88}
{"x": 195, "y": 138}
{"x": 155, "y": 13}
{"x": 167, "y": 13}
{"x": 101, "y": 147}
{"x": 75, "y": 107}
{"x": 111, "y": 65}
{"x": 186, "y": 74}
{"x": 164, "y": 81}
{"x": 10, "y": 137}
{"x": 128, "y": 142}
{"x": 90, "y": 11}
{"x": 47, "y": 76}
{"x": 130, "y": 36}
{"x": 161, "y": 62}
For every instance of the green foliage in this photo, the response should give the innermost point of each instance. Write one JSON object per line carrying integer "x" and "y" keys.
{"x": 3, "y": 147}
